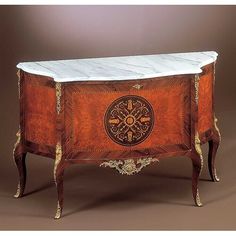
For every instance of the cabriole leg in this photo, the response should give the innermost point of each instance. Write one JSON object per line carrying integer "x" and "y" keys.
{"x": 20, "y": 163}
{"x": 197, "y": 167}
{"x": 213, "y": 146}
{"x": 19, "y": 158}
{"x": 59, "y": 186}
{"x": 58, "y": 178}
{"x": 197, "y": 162}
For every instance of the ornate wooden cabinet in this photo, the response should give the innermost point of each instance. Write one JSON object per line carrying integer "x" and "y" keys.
{"x": 121, "y": 112}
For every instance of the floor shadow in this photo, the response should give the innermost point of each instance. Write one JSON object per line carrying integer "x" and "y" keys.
{"x": 43, "y": 187}
{"x": 135, "y": 196}
{"x": 222, "y": 197}
{"x": 177, "y": 177}
{"x": 111, "y": 199}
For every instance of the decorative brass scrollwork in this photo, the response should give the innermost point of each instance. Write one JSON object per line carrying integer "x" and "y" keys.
{"x": 58, "y": 158}
{"x": 129, "y": 167}
{"x": 216, "y": 127}
{"x": 198, "y": 149}
{"x": 58, "y": 212}
{"x": 18, "y": 191}
{"x": 19, "y": 80}
{"x": 198, "y": 200}
{"x": 18, "y": 135}
{"x": 196, "y": 83}
{"x": 58, "y": 96}
{"x": 138, "y": 86}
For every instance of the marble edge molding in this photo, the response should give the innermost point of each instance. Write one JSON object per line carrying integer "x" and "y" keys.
{"x": 210, "y": 60}
{"x": 196, "y": 70}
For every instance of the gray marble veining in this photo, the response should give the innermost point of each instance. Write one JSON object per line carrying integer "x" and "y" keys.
{"x": 121, "y": 68}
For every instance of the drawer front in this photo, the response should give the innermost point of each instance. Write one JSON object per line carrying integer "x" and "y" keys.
{"x": 128, "y": 119}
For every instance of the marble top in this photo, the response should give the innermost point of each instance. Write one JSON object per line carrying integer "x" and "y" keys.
{"x": 121, "y": 68}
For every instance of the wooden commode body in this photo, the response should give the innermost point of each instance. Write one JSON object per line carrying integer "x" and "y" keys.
{"x": 120, "y": 112}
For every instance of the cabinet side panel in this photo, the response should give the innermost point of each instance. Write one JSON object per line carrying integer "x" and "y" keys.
{"x": 39, "y": 110}
{"x": 205, "y": 115}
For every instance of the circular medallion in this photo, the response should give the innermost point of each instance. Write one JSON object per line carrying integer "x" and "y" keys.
{"x": 129, "y": 120}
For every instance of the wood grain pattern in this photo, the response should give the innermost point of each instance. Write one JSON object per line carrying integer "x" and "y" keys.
{"x": 206, "y": 99}
{"x": 169, "y": 99}
{"x": 39, "y": 111}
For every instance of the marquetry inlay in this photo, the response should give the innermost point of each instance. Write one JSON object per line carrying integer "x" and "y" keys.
{"x": 129, "y": 120}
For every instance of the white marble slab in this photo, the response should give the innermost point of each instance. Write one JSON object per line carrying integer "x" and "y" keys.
{"x": 121, "y": 68}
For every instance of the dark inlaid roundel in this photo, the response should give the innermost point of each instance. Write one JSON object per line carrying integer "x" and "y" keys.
{"x": 129, "y": 120}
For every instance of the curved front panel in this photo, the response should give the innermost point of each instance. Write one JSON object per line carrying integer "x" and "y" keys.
{"x": 128, "y": 119}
